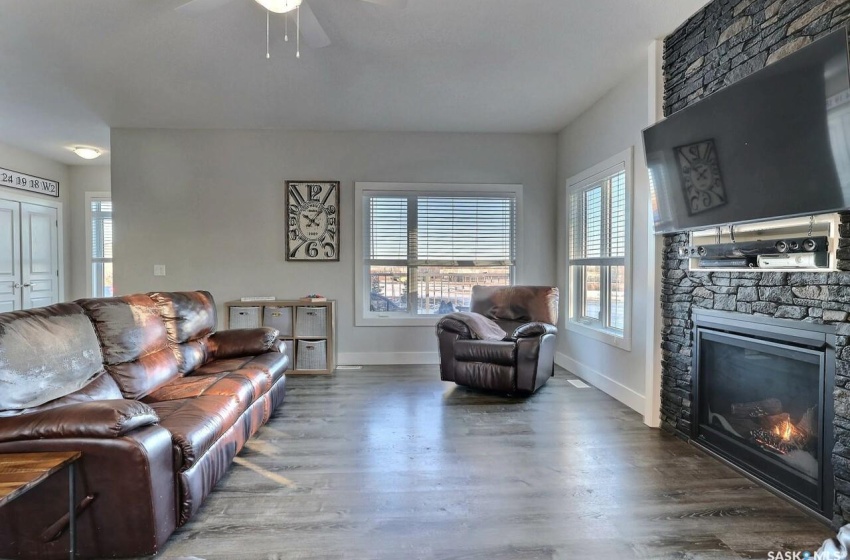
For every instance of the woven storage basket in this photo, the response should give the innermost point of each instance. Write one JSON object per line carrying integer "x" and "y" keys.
{"x": 279, "y": 318}
{"x": 311, "y": 321}
{"x": 312, "y": 354}
{"x": 244, "y": 317}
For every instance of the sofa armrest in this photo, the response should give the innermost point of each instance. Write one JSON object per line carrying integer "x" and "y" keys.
{"x": 235, "y": 343}
{"x": 454, "y": 326}
{"x": 96, "y": 419}
{"x": 132, "y": 481}
{"x": 529, "y": 330}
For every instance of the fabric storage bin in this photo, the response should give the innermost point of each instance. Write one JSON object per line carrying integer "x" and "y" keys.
{"x": 312, "y": 354}
{"x": 279, "y": 318}
{"x": 244, "y": 317}
{"x": 310, "y": 321}
{"x": 289, "y": 350}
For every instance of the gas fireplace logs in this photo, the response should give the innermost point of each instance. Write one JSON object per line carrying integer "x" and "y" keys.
{"x": 776, "y": 430}
{"x": 756, "y": 409}
{"x": 766, "y": 425}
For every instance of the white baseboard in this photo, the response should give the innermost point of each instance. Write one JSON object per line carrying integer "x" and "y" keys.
{"x": 387, "y": 358}
{"x": 628, "y": 397}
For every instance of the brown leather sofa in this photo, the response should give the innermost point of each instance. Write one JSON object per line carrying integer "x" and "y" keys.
{"x": 158, "y": 402}
{"x": 523, "y": 360}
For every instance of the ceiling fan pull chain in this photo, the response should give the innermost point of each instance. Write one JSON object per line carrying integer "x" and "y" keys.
{"x": 268, "y": 55}
{"x": 286, "y": 28}
{"x": 298, "y": 32}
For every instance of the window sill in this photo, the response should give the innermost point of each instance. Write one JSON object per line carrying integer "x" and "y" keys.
{"x": 621, "y": 342}
{"x": 397, "y": 321}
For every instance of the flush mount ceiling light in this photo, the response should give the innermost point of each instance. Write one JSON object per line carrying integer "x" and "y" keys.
{"x": 87, "y": 152}
{"x": 279, "y": 6}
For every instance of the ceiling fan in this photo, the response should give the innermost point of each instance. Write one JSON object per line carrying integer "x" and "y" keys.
{"x": 307, "y": 25}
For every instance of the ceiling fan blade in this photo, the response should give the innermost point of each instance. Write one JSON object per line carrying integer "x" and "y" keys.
{"x": 311, "y": 30}
{"x": 390, "y": 3}
{"x": 200, "y": 6}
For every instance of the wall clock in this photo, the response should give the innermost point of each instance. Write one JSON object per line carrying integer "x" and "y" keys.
{"x": 312, "y": 220}
{"x": 700, "y": 170}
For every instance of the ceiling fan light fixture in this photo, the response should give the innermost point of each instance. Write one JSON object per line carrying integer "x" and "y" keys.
{"x": 86, "y": 152}
{"x": 279, "y": 6}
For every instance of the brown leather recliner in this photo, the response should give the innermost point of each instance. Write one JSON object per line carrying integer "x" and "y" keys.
{"x": 520, "y": 363}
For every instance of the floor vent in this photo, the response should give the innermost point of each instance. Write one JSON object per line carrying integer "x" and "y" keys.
{"x": 579, "y": 384}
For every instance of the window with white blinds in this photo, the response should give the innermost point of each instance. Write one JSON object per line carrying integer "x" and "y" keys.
{"x": 598, "y": 233}
{"x": 100, "y": 255}
{"x": 423, "y": 251}
{"x": 476, "y": 229}
{"x": 388, "y": 228}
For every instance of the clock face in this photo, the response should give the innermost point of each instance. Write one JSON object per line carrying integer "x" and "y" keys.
{"x": 312, "y": 221}
{"x": 700, "y": 170}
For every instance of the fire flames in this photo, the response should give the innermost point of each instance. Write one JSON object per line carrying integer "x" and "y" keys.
{"x": 782, "y": 436}
{"x": 776, "y": 431}
{"x": 786, "y": 431}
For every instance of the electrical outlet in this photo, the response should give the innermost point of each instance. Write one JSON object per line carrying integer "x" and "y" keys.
{"x": 159, "y": 270}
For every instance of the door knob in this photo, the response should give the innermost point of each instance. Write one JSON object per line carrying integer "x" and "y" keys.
{"x": 17, "y": 285}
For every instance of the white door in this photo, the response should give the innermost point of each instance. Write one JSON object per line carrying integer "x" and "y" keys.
{"x": 10, "y": 255}
{"x": 39, "y": 255}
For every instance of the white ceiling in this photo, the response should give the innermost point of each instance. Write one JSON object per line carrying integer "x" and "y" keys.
{"x": 71, "y": 69}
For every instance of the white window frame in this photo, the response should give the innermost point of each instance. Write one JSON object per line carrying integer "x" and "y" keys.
{"x": 363, "y": 317}
{"x": 581, "y": 181}
{"x": 92, "y": 196}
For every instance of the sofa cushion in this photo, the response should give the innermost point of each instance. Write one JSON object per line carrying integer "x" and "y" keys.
{"x": 134, "y": 341}
{"x": 221, "y": 366}
{"x": 101, "y": 388}
{"x": 190, "y": 318}
{"x": 182, "y": 388}
{"x": 260, "y": 381}
{"x": 262, "y": 370}
{"x": 45, "y": 354}
{"x": 196, "y": 423}
{"x": 235, "y": 343}
{"x": 187, "y": 315}
{"x": 221, "y": 384}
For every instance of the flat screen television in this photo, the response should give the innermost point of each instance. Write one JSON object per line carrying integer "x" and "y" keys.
{"x": 774, "y": 144}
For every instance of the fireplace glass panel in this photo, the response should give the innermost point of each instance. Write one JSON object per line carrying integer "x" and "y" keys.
{"x": 763, "y": 396}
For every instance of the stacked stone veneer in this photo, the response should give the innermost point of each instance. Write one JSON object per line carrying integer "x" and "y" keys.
{"x": 720, "y": 44}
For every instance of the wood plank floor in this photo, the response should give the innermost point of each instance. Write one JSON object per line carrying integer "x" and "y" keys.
{"x": 391, "y": 463}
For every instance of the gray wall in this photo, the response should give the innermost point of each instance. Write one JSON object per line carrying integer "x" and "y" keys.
{"x": 83, "y": 179}
{"x": 611, "y": 126}
{"x": 209, "y": 204}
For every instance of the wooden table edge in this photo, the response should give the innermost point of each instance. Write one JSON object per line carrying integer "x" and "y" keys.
{"x": 57, "y": 460}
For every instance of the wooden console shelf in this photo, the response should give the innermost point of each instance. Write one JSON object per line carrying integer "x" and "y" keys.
{"x": 307, "y": 329}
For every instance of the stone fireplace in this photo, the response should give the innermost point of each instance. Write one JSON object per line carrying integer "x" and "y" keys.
{"x": 723, "y": 42}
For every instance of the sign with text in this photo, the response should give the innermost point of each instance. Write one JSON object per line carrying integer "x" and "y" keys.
{"x": 9, "y": 178}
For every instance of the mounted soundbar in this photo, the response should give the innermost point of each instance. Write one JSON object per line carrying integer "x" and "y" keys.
{"x": 743, "y": 249}
{"x": 787, "y": 260}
